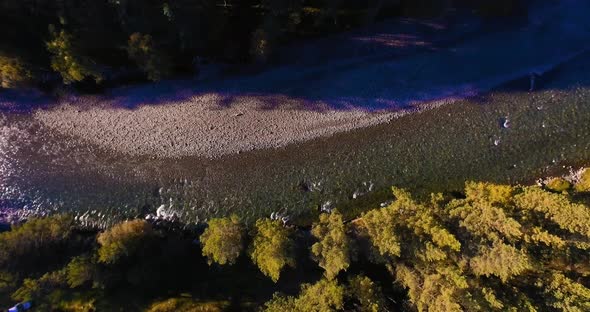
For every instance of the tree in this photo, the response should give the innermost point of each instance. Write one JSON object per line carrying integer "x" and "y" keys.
{"x": 142, "y": 50}
{"x": 381, "y": 228}
{"x": 323, "y": 296}
{"x": 223, "y": 240}
{"x": 32, "y": 289}
{"x": 186, "y": 305}
{"x": 272, "y": 249}
{"x": 67, "y": 59}
{"x": 503, "y": 261}
{"x": 122, "y": 240}
{"x": 368, "y": 294}
{"x": 13, "y": 72}
{"x": 572, "y": 217}
{"x": 27, "y": 242}
{"x": 79, "y": 271}
{"x": 332, "y": 251}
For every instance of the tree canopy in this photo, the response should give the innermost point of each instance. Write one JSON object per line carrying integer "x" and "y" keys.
{"x": 272, "y": 248}
{"x": 332, "y": 251}
{"x": 223, "y": 240}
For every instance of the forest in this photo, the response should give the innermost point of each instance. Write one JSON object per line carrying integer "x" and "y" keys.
{"x": 91, "y": 44}
{"x": 491, "y": 247}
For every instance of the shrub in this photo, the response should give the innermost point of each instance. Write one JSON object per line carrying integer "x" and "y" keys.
{"x": 67, "y": 59}
{"x": 583, "y": 183}
{"x": 559, "y": 185}
{"x": 25, "y": 242}
{"x": 13, "y": 72}
{"x": 142, "y": 50}
{"x": 186, "y": 305}
{"x": 79, "y": 271}
{"x": 122, "y": 240}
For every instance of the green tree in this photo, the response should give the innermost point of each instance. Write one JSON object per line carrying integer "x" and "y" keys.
{"x": 13, "y": 72}
{"x": 33, "y": 289}
{"x": 26, "y": 242}
{"x": 67, "y": 59}
{"x": 142, "y": 50}
{"x": 223, "y": 240}
{"x": 323, "y": 296}
{"x": 332, "y": 251}
{"x": 368, "y": 294}
{"x": 186, "y": 305}
{"x": 503, "y": 261}
{"x": 80, "y": 271}
{"x": 122, "y": 240}
{"x": 272, "y": 249}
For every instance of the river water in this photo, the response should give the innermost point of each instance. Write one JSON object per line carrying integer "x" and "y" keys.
{"x": 42, "y": 172}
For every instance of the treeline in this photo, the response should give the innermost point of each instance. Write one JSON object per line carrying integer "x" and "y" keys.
{"x": 98, "y": 41}
{"x": 492, "y": 248}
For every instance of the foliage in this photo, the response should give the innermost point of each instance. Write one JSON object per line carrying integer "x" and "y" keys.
{"x": 272, "y": 249}
{"x": 80, "y": 271}
{"x": 122, "y": 240}
{"x": 367, "y": 294}
{"x": 7, "y": 281}
{"x": 501, "y": 260}
{"x": 498, "y": 248}
{"x": 568, "y": 215}
{"x": 186, "y": 305}
{"x": 67, "y": 60}
{"x": 332, "y": 251}
{"x": 25, "y": 242}
{"x": 223, "y": 240}
{"x": 500, "y": 240}
{"x": 381, "y": 230}
{"x": 583, "y": 183}
{"x": 32, "y": 289}
{"x": 559, "y": 185}
{"x": 323, "y": 296}
{"x": 565, "y": 294}
{"x": 142, "y": 50}
{"x": 13, "y": 72}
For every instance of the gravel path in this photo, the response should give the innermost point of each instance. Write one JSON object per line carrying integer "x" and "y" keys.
{"x": 301, "y": 102}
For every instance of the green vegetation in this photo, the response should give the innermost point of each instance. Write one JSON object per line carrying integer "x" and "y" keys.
{"x": 141, "y": 49}
{"x": 583, "y": 185}
{"x": 122, "y": 240}
{"x": 558, "y": 185}
{"x": 332, "y": 251}
{"x": 492, "y": 247}
{"x": 223, "y": 240}
{"x": 272, "y": 249}
{"x": 67, "y": 60}
{"x": 13, "y": 72}
{"x": 186, "y": 305}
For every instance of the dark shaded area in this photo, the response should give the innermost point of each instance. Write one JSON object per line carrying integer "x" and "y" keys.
{"x": 185, "y": 34}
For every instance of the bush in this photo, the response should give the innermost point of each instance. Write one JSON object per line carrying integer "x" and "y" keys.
{"x": 24, "y": 243}
{"x": 559, "y": 185}
{"x": 13, "y": 72}
{"x": 122, "y": 240}
{"x": 583, "y": 183}
{"x": 67, "y": 59}
{"x": 186, "y": 305}
{"x": 142, "y": 50}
